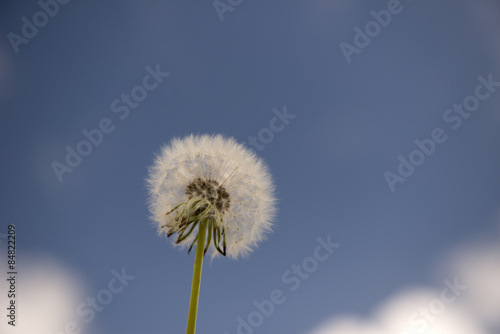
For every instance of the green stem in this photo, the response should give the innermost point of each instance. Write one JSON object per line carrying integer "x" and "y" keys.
{"x": 195, "y": 285}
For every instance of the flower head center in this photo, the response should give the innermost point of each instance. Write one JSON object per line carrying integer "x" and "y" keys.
{"x": 211, "y": 191}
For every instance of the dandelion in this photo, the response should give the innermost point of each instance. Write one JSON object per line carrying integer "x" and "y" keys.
{"x": 212, "y": 193}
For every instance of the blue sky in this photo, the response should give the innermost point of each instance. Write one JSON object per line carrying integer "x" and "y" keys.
{"x": 352, "y": 122}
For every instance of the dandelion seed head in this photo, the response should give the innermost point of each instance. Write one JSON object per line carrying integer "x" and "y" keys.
{"x": 214, "y": 178}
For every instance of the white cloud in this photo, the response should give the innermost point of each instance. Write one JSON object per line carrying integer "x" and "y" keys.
{"x": 46, "y": 298}
{"x": 402, "y": 313}
{"x": 474, "y": 310}
{"x": 480, "y": 268}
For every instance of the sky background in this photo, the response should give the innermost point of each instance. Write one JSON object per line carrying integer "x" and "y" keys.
{"x": 352, "y": 121}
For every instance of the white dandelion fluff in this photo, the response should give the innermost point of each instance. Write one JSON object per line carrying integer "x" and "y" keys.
{"x": 212, "y": 179}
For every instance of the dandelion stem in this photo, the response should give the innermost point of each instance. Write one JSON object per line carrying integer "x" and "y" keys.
{"x": 195, "y": 285}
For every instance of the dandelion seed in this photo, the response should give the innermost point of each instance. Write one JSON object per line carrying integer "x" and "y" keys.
{"x": 213, "y": 179}
{"x": 211, "y": 192}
